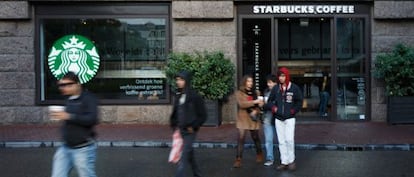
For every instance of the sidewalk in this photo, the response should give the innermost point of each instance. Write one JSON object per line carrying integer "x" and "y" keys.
{"x": 355, "y": 136}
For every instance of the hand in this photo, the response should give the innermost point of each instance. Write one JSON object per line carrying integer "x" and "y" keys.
{"x": 259, "y": 102}
{"x": 190, "y": 130}
{"x": 292, "y": 112}
{"x": 59, "y": 115}
{"x": 274, "y": 109}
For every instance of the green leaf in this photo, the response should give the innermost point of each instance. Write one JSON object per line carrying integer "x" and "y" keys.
{"x": 213, "y": 73}
{"x": 397, "y": 70}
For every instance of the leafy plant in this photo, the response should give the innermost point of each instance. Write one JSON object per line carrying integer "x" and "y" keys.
{"x": 397, "y": 70}
{"x": 213, "y": 73}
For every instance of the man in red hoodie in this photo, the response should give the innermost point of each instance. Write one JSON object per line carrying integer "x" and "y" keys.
{"x": 285, "y": 101}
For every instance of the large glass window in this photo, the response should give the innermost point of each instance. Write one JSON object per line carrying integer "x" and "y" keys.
{"x": 304, "y": 47}
{"x": 351, "y": 70}
{"x": 131, "y": 44}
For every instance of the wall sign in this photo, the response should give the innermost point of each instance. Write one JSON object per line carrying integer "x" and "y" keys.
{"x": 303, "y": 9}
{"x": 74, "y": 53}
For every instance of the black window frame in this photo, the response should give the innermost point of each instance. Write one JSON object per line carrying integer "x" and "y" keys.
{"x": 66, "y": 10}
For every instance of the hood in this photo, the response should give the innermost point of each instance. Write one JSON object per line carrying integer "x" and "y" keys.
{"x": 187, "y": 77}
{"x": 285, "y": 71}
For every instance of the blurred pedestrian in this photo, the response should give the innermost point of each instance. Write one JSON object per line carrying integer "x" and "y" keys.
{"x": 269, "y": 122}
{"x": 247, "y": 118}
{"x": 189, "y": 113}
{"x": 79, "y": 117}
{"x": 285, "y": 101}
{"x": 324, "y": 85}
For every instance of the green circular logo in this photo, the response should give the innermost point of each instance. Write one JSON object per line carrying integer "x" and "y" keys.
{"x": 74, "y": 53}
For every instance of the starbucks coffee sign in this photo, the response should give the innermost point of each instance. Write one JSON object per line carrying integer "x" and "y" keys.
{"x": 74, "y": 53}
{"x": 303, "y": 9}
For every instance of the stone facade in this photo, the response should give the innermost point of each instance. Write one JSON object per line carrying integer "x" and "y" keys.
{"x": 17, "y": 61}
{"x": 392, "y": 23}
{"x": 196, "y": 25}
{"x": 206, "y": 25}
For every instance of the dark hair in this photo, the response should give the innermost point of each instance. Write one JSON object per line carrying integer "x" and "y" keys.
{"x": 71, "y": 76}
{"x": 271, "y": 77}
{"x": 244, "y": 80}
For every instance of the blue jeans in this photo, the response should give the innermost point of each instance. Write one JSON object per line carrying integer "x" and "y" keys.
{"x": 323, "y": 102}
{"x": 269, "y": 132}
{"x": 83, "y": 159}
{"x": 188, "y": 159}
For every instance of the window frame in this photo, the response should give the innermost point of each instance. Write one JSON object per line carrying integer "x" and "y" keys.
{"x": 98, "y": 11}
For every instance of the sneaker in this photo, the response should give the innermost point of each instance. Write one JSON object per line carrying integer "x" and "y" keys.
{"x": 268, "y": 163}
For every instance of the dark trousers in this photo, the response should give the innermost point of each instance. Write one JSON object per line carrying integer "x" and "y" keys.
{"x": 187, "y": 157}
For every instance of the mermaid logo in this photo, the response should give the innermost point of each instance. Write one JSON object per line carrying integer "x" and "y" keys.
{"x": 74, "y": 53}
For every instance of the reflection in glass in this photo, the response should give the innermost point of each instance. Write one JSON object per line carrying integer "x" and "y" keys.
{"x": 351, "y": 88}
{"x": 133, "y": 52}
{"x": 304, "y": 47}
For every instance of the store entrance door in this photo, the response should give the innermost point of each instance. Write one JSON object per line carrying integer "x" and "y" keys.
{"x": 304, "y": 47}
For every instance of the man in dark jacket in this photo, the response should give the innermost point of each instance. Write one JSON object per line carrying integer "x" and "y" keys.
{"x": 80, "y": 116}
{"x": 285, "y": 101}
{"x": 188, "y": 115}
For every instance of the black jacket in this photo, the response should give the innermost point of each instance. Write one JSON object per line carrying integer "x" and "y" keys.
{"x": 79, "y": 129}
{"x": 192, "y": 113}
{"x": 288, "y": 103}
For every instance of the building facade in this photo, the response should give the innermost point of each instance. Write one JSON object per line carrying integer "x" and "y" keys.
{"x": 120, "y": 48}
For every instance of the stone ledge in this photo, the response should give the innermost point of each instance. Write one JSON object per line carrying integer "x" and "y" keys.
{"x": 14, "y": 10}
{"x": 202, "y": 10}
{"x": 393, "y": 9}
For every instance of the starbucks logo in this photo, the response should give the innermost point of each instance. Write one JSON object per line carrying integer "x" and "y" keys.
{"x": 74, "y": 53}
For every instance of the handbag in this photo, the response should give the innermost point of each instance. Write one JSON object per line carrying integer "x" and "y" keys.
{"x": 176, "y": 148}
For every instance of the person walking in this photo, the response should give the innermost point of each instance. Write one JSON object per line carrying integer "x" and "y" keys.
{"x": 324, "y": 94}
{"x": 248, "y": 111}
{"x": 269, "y": 122}
{"x": 79, "y": 117}
{"x": 188, "y": 114}
{"x": 285, "y": 101}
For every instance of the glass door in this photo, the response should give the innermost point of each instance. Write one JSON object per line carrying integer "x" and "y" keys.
{"x": 304, "y": 47}
{"x": 351, "y": 57}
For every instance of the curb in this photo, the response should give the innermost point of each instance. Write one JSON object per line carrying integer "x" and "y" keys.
{"x": 215, "y": 145}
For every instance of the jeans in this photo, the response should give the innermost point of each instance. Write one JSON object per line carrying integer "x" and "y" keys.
{"x": 269, "y": 131}
{"x": 187, "y": 157}
{"x": 286, "y": 137}
{"x": 83, "y": 159}
{"x": 323, "y": 102}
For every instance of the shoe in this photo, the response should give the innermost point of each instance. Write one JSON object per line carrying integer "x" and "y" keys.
{"x": 282, "y": 167}
{"x": 259, "y": 157}
{"x": 237, "y": 163}
{"x": 268, "y": 163}
{"x": 292, "y": 166}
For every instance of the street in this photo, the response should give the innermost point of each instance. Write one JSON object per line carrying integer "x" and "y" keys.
{"x": 152, "y": 162}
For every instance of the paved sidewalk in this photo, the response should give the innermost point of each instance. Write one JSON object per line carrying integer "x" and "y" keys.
{"x": 353, "y": 136}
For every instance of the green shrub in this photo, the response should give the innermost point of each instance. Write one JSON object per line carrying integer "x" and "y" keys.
{"x": 397, "y": 70}
{"x": 213, "y": 73}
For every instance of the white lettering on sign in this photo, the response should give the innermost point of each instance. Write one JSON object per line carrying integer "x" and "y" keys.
{"x": 303, "y": 9}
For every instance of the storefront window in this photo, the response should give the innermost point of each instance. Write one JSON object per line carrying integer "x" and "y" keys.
{"x": 130, "y": 49}
{"x": 351, "y": 56}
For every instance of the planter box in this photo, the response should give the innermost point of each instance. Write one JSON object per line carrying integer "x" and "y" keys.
{"x": 213, "y": 109}
{"x": 400, "y": 109}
